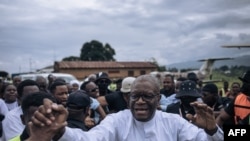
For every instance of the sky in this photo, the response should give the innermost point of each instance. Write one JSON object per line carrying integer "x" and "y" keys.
{"x": 34, "y": 34}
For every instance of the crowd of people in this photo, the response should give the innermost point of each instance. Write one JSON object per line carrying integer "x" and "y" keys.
{"x": 140, "y": 108}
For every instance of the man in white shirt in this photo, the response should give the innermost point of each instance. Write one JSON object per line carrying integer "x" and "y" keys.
{"x": 3, "y": 111}
{"x": 3, "y": 108}
{"x": 12, "y": 123}
{"x": 141, "y": 122}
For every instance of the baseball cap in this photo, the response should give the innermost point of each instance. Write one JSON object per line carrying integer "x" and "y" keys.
{"x": 78, "y": 100}
{"x": 126, "y": 84}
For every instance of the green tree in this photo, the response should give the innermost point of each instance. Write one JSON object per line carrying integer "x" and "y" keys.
{"x": 71, "y": 58}
{"x": 95, "y": 51}
{"x": 159, "y": 68}
{"x": 224, "y": 68}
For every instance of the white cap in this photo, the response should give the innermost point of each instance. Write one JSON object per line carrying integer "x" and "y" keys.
{"x": 126, "y": 84}
{"x": 74, "y": 82}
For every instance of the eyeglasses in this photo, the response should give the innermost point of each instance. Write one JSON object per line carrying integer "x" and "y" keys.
{"x": 145, "y": 97}
{"x": 93, "y": 90}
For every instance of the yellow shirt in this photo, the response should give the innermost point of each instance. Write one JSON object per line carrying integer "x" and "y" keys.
{"x": 17, "y": 138}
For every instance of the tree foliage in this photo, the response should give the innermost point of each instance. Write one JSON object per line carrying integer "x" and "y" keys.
{"x": 159, "y": 68}
{"x": 71, "y": 58}
{"x": 224, "y": 68}
{"x": 95, "y": 51}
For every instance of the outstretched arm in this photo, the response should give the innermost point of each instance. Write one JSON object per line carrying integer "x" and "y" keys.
{"x": 101, "y": 112}
{"x": 222, "y": 117}
{"x": 204, "y": 117}
{"x": 102, "y": 100}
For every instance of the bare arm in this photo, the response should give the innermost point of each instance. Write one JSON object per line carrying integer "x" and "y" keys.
{"x": 204, "y": 118}
{"x": 217, "y": 113}
{"x": 101, "y": 111}
{"x": 222, "y": 117}
{"x": 102, "y": 100}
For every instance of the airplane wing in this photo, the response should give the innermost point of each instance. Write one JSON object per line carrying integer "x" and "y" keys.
{"x": 236, "y": 46}
{"x": 214, "y": 59}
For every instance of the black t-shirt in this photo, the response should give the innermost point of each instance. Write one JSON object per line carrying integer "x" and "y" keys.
{"x": 173, "y": 108}
{"x": 73, "y": 123}
{"x": 229, "y": 109}
{"x": 167, "y": 93}
{"x": 116, "y": 102}
{"x": 178, "y": 108}
{"x": 24, "y": 135}
{"x": 225, "y": 101}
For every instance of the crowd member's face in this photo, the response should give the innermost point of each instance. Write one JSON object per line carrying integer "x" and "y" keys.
{"x": 61, "y": 94}
{"x": 10, "y": 94}
{"x": 70, "y": 88}
{"x": 235, "y": 88}
{"x": 51, "y": 78}
{"x": 103, "y": 84}
{"x": 209, "y": 98}
{"x": 17, "y": 80}
{"x": 168, "y": 83}
{"x": 177, "y": 86}
{"x": 185, "y": 102}
{"x": 143, "y": 100}
{"x": 42, "y": 84}
{"x": 92, "y": 89}
{"x": 75, "y": 87}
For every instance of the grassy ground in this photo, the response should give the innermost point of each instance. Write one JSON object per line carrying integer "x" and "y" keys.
{"x": 223, "y": 77}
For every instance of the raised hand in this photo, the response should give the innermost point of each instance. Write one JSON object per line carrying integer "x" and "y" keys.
{"x": 37, "y": 132}
{"x": 49, "y": 117}
{"x": 204, "y": 117}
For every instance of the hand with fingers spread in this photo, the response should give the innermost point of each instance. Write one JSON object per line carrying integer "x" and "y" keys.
{"x": 49, "y": 117}
{"x": 204, "y": 117}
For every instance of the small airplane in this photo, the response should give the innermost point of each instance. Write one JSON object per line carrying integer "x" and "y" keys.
{"x": 236, "y": 46}
{"x": 207, "y": 67}
{"x": 204, "y": 71}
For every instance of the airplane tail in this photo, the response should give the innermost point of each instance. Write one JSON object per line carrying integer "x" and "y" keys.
{"x": 207, "y": 67}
